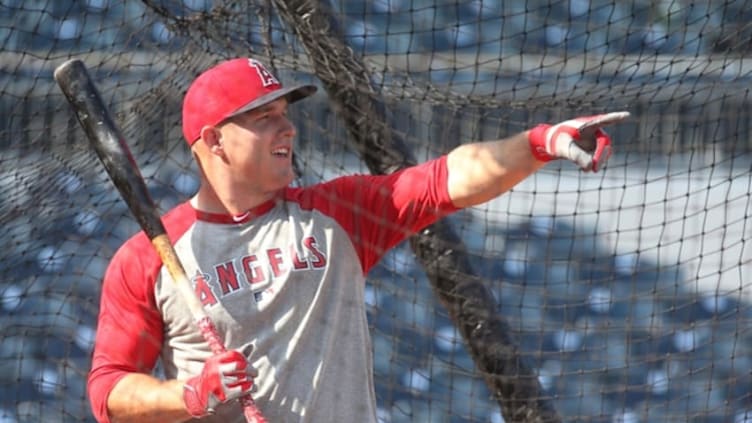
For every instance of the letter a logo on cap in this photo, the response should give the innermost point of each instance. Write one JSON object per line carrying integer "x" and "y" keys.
{"x": 266, "y": 77}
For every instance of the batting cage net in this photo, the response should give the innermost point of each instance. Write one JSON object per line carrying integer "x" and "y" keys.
{"x": 621, "y": 296}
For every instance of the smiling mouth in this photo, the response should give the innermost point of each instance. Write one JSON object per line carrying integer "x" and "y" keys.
{"x": 281, "y": 152}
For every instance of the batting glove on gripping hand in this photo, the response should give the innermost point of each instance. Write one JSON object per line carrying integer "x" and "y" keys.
{"x": 581, "y": 140}
{"x": 225, "y": 377}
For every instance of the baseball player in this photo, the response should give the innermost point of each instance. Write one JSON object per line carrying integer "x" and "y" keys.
{"x": 281, "y": 270}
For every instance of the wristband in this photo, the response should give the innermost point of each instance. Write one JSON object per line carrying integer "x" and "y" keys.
{"x": 537, "y": 140}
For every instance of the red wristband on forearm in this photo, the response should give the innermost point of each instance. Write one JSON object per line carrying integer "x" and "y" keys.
{"x": 537, "y": 139}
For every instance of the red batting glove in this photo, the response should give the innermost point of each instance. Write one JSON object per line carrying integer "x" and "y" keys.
{"x": 225, "y": 377}
{"x": 581, "y": 140}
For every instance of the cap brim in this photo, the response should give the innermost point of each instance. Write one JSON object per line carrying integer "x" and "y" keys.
{"x": 292, "y": 94}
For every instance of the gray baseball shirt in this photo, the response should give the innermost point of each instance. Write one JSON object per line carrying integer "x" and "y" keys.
{"x": 286, "y": 279}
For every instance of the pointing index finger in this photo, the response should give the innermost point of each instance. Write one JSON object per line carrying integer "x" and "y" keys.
{"x": 605, "y": 119}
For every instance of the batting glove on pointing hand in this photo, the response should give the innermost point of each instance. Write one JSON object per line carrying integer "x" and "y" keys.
{"x": 225, "y": 377}
{"x": 580, "y": 140}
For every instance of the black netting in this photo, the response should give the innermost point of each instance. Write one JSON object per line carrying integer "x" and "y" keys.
{"x": 625, "y": 294}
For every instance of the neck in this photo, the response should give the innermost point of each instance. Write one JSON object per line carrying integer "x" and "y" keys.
{"x": 219, "y": 191}
{"x": 235, "y": 203}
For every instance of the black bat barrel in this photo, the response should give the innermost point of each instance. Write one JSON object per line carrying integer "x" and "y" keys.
{"x": 107, "y": 140}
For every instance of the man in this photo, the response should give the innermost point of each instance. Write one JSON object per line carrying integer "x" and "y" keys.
{"x": 281, "y": 270}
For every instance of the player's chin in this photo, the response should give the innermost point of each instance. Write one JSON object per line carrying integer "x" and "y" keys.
{"x": 283, "y": 176}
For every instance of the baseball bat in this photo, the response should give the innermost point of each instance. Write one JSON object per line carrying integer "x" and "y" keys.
{"x": 106, "y": 139}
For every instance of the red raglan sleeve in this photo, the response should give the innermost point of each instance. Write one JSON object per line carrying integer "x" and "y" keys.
{"x": 129, "y": 327}
{"x": 380, "y": 211}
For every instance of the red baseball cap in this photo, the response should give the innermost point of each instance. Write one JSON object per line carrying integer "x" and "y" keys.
{"x": 231, "y": 88}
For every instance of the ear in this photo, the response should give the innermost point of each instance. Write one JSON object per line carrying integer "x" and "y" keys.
{"x": 212, "y": 137}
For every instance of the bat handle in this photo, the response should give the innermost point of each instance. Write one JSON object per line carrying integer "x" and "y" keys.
{"x": 210, "y": 334}
{"x": 250, "y": 411}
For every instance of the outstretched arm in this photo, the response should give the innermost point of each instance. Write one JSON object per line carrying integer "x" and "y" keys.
{"x": 481, "y": 171}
